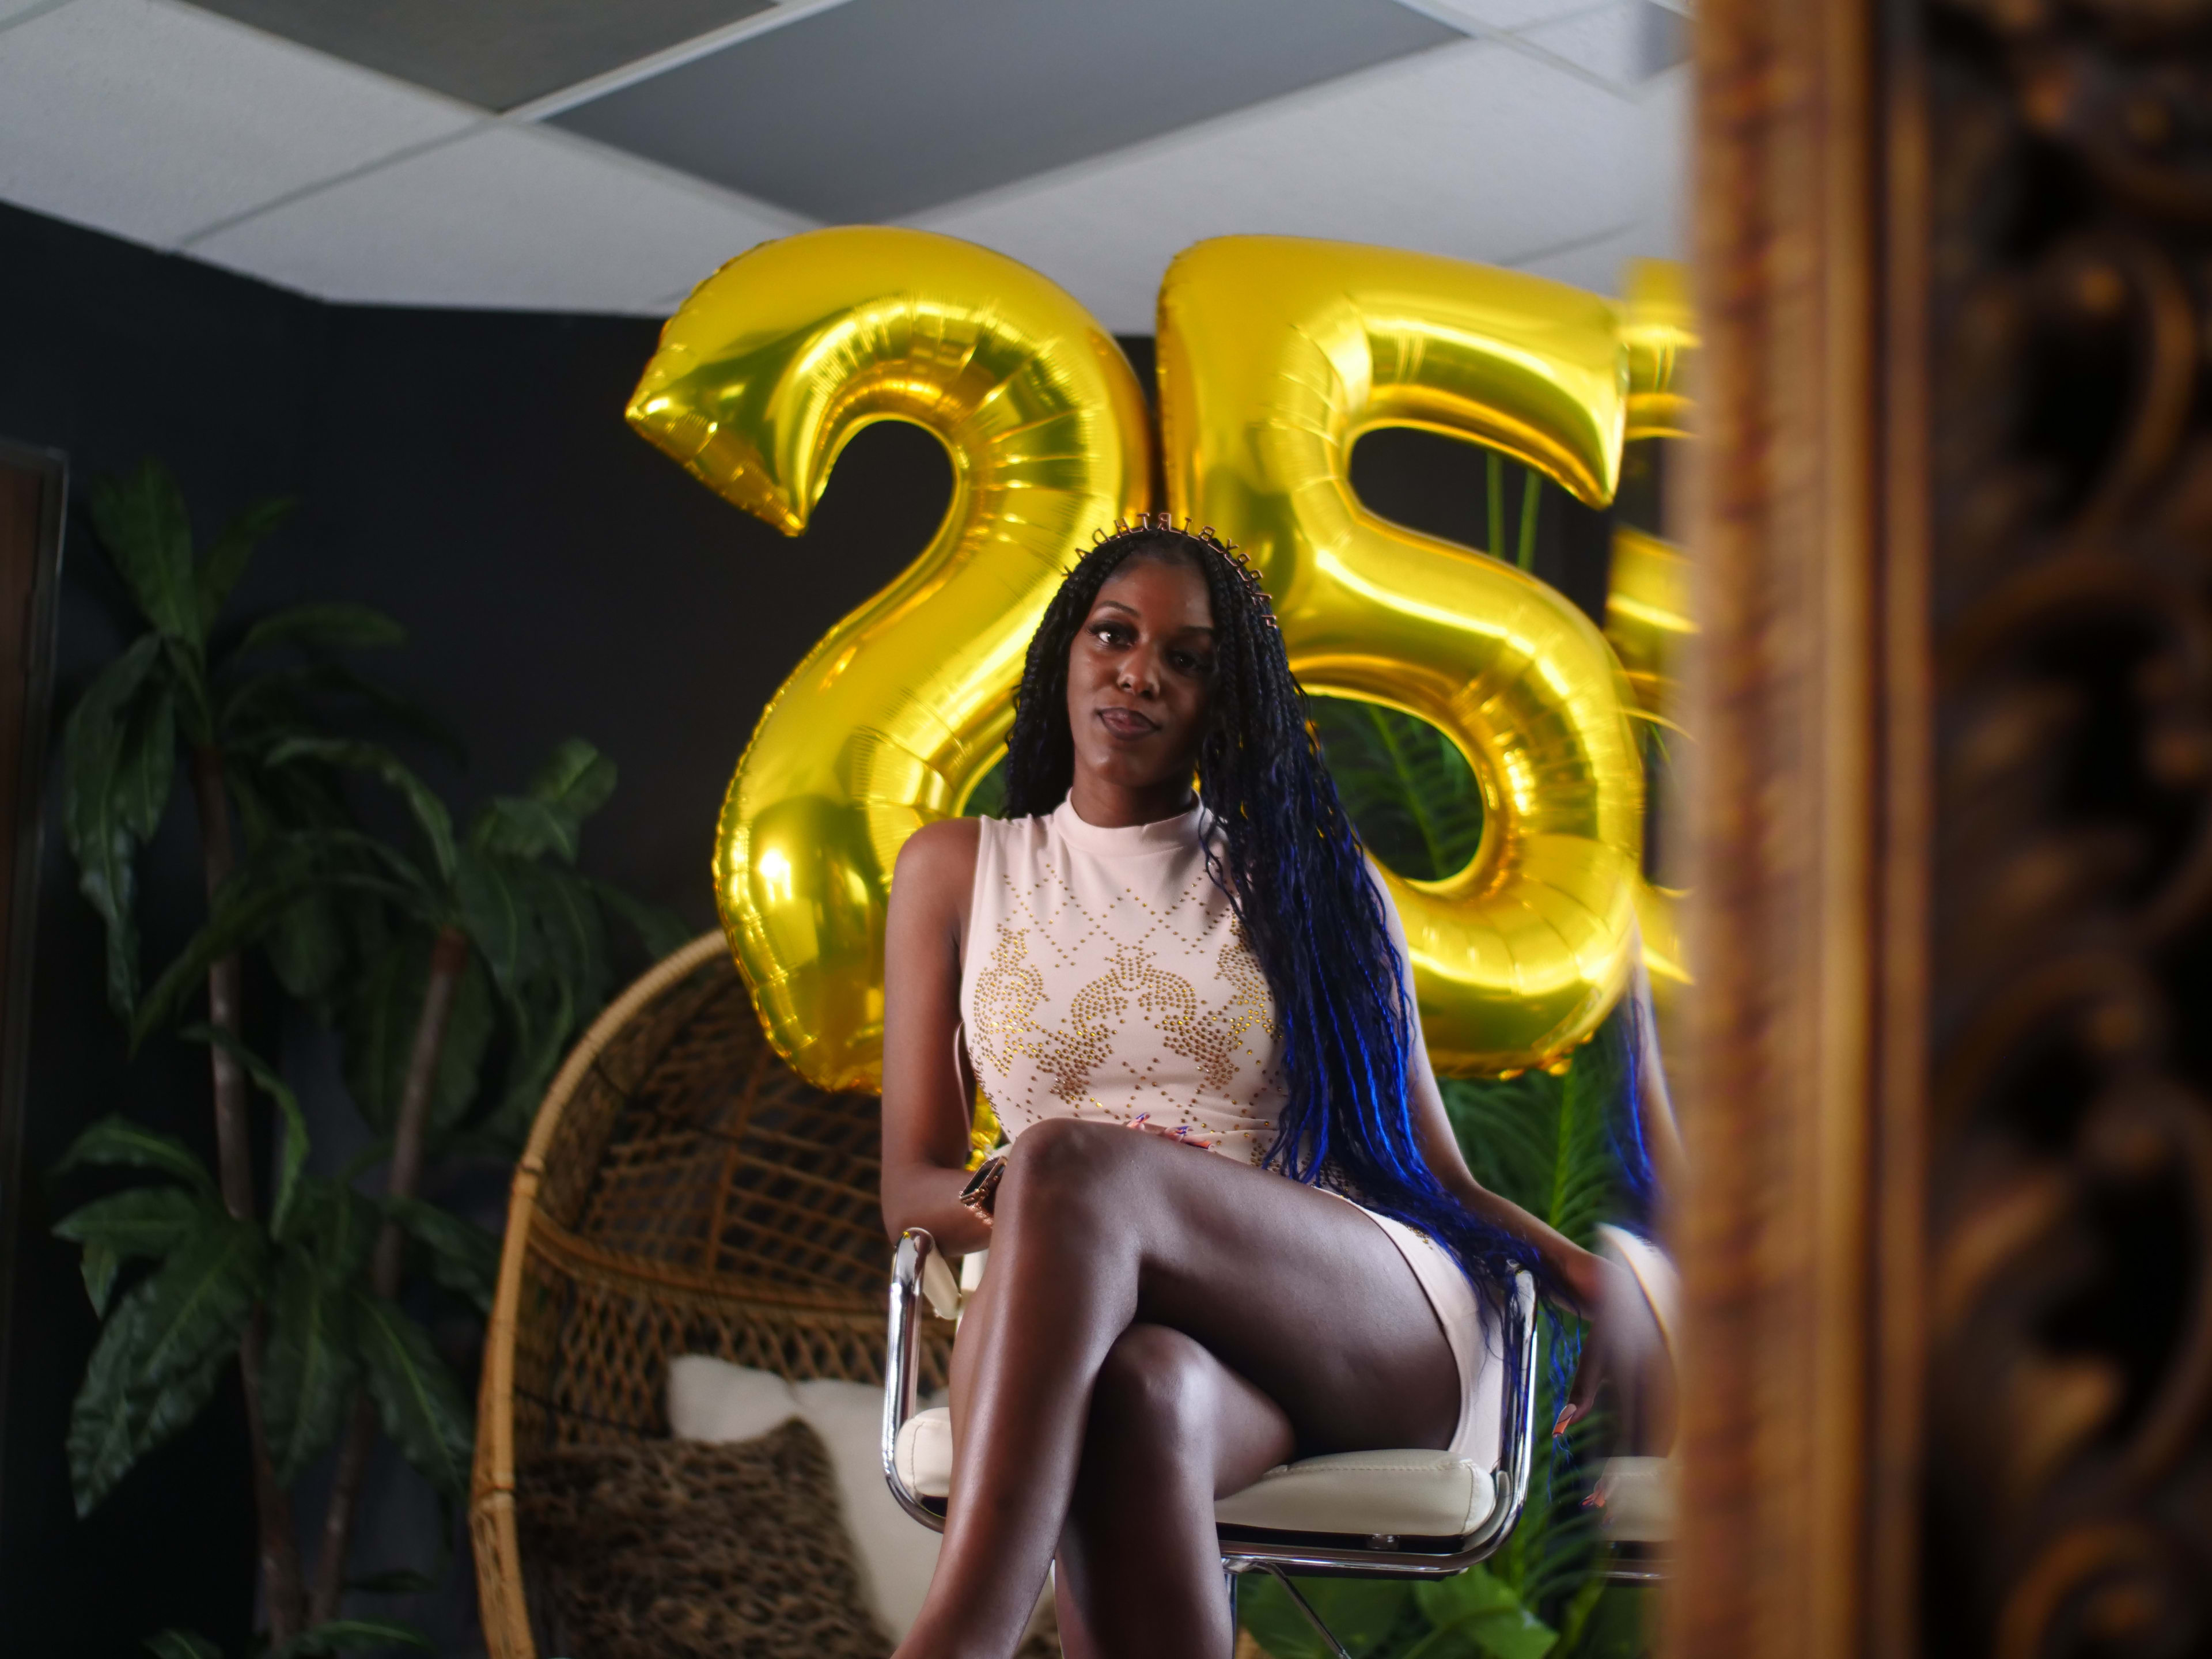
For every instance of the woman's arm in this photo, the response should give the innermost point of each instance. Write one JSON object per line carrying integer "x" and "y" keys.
{"x": 1579, "y": 1272}
{"x": 925, "y": 1106}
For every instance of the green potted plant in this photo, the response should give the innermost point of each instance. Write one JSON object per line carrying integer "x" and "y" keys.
{"x": 430, "y": 955}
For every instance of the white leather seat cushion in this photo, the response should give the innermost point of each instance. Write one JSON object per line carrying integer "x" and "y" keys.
{"x": 1414, "y": 1494}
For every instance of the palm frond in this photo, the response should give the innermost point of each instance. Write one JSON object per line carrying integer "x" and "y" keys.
{"x": 1405, "y": 784}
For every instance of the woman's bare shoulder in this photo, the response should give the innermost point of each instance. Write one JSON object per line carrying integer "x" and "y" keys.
{"x": 938, "y": 860}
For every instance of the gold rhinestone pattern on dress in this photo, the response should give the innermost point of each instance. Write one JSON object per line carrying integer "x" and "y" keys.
{"x": 1108, "y": 988}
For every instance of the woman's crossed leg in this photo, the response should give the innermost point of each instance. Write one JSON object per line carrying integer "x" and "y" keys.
{"x": 1159, "y": 1327}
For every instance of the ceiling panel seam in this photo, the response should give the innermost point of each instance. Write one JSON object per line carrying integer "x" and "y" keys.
{"x": 1476, "y": 29}
{"x": 1212, "y": 127}
{"x": 34, "y": 12}
{"x": 344, "y": 176}
{"x": 769, "y": 212}
{"x": 1572, "y": 244}
{"x": 670, "y": 58}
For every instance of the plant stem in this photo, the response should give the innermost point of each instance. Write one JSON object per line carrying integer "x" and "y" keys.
{"x": 449, "y": 959}
{"x": 281, "y": 1579}
{"x": 1532, "y": 497}
{"x": 1493, "y": 495}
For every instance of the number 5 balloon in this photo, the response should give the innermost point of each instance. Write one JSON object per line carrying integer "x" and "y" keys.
{"x": 1275, "y": 355}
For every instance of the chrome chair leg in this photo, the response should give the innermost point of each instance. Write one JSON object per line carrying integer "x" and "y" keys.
{"x": 1298, "y": 1598}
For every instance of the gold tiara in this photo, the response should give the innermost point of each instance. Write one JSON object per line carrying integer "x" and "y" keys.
{"x": 1157, "y": 522}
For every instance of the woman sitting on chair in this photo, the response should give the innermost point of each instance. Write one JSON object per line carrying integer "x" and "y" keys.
{"x": 1173, "y": 1003}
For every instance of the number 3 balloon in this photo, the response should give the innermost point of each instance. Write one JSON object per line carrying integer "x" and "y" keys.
{"x": 1275, "y": 356}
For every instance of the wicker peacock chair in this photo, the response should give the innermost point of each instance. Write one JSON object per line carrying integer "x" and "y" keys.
{"x": 683, "y": 1192}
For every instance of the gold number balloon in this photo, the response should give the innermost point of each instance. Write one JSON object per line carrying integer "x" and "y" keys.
{"x": 1647, "y": 606}
{"x": 761, "y": 378}
{"x": 1275, "y": 355}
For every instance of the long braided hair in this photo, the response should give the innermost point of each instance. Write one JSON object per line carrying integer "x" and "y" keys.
{"x": 1292, "y": 864}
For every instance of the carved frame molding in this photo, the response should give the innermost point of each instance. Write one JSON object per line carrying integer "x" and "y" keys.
{"x": 1947, "y": 1239}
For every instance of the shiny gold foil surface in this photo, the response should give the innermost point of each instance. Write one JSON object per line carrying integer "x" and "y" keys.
{"x": 760, "y": 380}
{"x": 1276, "y": 353}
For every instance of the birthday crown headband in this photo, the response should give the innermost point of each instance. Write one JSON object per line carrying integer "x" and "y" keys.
{"x": 1230, "y": 552}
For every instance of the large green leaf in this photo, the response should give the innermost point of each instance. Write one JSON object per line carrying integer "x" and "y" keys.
{"x": 160, "y": 1354}
{"x": 330, "y": 626}
{"x": 469, "y": 1027}
{"x": 429, "y": 812}
{"x": 422, "y": 1407}
{"x": 544, "y": 1022}
{"x": 146, "y": 764}
{"x": 1610, "y": 1621}
{"x": 248, "y": 906}
{"x": 306, "y": 947}
{"x": 310, "y": 1371}
{"x": 227, "y": 556}
{"x": 1411, "y": 794}
{"x": 338, "y": 1225}
{"x": 287, "y": 702}
{"x": 1363, "y": 1612}
{"x": 377, "y": 1027}
{"x": 98, "y": 812}
{"x": 572, "y": 785}
{"x": 118, "y": 1142}
{"x": 148, "y": 535}
{"x": 1475, "y": 1609}
{"x": 463, "y": 1257}
{"x": 195, "y": 706}
{"x": 517, "y": 827}
{"x": 292, "y": 1149}
{"x": 566, "y": 913}
{"x": 243, "y": 909}
{"x": 496, "y": 911}
{"x": 144, "y": 1223}
{"x": 181, "y": 1644}
{"x": 576, "y": 779}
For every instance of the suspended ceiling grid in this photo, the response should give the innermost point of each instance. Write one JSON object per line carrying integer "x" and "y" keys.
{"x": 574, "y": 155}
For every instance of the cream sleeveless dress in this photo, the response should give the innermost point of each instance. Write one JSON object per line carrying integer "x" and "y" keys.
{"x": 1106, "y": 978}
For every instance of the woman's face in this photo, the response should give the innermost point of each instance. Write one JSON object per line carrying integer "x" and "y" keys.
{"x": 1140, "y": 675}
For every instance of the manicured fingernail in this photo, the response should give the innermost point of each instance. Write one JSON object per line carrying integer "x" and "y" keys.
{"x": 1138, "y": 1119}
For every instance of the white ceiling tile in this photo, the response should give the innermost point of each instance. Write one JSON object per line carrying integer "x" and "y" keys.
{"x": 155, "y": 120}
{"x": 1593, "y": 264}
{"x": 1609, "y": 42}
{"x": 1477, "y": 152}
{"x": 1604, "y": 41}
{"x": 508, "y": 217}
{"x": 1510, "y": 14}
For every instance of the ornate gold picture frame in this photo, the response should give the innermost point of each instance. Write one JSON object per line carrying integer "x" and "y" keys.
{"x": 1946, "y": 1239}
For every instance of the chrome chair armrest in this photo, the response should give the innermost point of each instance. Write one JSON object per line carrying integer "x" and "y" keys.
{"x": 1521, "y": 1428}
{"x": 902, "y": 1365}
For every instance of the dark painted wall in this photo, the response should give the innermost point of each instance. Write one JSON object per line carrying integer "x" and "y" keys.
{"x": 470, "y": 474}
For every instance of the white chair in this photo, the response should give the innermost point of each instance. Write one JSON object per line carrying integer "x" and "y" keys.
{"x": 1355, "y": 1515}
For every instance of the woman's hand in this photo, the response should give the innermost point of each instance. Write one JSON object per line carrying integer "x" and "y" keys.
{"x": 1624, "y": 1345}
{"x": 1181, "y": 1133}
